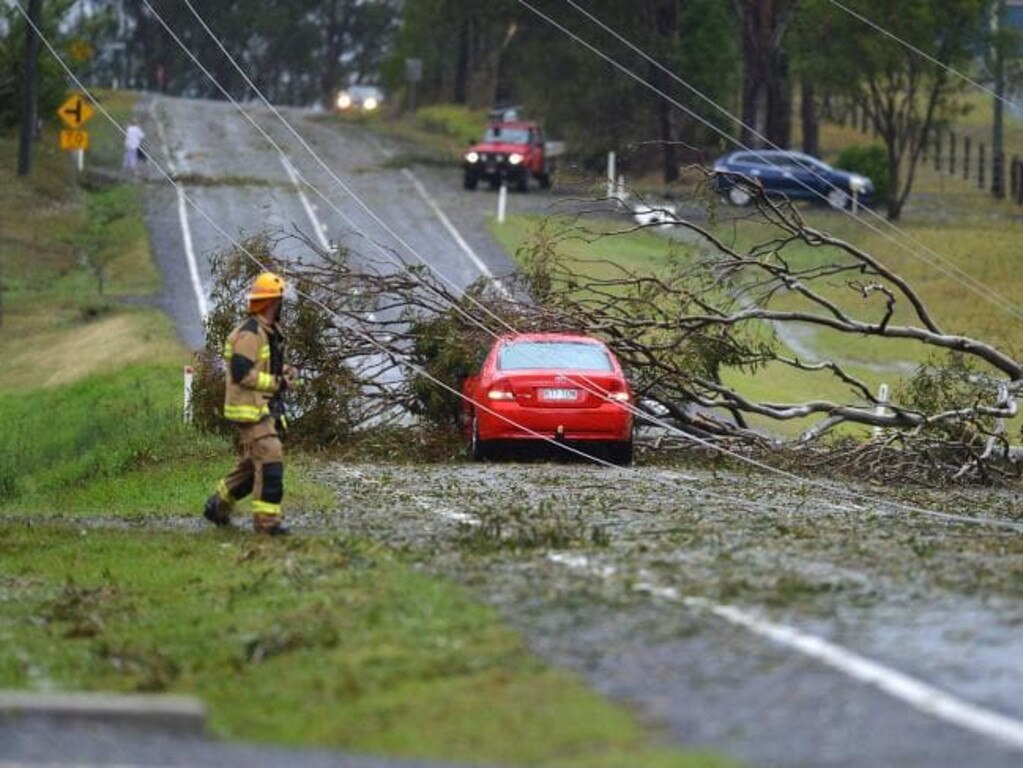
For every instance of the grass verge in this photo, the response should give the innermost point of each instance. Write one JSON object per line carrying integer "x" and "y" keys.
{"x": 308, "y": 641}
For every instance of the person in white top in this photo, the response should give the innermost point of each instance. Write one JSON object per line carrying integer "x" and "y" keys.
{"x": 133, "y": 138}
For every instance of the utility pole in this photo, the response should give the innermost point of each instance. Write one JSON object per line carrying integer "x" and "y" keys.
{"x": 998, "y": 132}
{"x": 28, "y": 113}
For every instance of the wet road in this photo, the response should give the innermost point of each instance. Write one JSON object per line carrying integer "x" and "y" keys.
{"x": 337, "y": 183}
{"x": 767, "y": 620}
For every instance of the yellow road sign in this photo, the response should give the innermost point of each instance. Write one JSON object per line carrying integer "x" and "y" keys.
{"x": 74, "y": 139}
{"x": 81, "y": 51}
{"x": 76, "y": 111}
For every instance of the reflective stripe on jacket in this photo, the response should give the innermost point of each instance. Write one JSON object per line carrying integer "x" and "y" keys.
{"x": 248, "y": 399}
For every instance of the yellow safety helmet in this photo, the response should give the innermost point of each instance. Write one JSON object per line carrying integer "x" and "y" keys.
{"x": 267, "y": 286}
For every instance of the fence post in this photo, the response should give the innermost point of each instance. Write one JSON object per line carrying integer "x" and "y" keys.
{"x": 998, "y": 174}
{"x": 966, "y": 157}
{"x": 981, "y": 165}
{"x": 951, "y": 153}
{"x": 1019, "y": 180}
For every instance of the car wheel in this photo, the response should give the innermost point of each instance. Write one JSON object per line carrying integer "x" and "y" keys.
{"x": 522, "y": 183}
{"x": 478, "y": 449}
{"x": 545, "y": 181}
{"x": 739, "y": 196}
{"x": 470, "y": 180}
{"x": 620, "y": 453}
{"x": 838, "y": 199}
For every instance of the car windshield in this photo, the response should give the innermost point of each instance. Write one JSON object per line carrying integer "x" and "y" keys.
{"x": 507, "y": 135}
{"x": 564, "y": 355}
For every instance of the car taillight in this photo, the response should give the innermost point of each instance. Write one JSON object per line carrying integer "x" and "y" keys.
{"x": 500, "y": 391}
{"x": 620, "y": 397}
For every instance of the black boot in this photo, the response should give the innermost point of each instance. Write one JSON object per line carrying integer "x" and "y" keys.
{"x": 279, "y": 529}
{"x": 212, "y": 512}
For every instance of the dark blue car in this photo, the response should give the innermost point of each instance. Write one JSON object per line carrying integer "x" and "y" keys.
{"x": 793, "y": 174}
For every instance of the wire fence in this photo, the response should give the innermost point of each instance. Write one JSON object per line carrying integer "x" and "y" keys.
{"x": 953, "y": 153}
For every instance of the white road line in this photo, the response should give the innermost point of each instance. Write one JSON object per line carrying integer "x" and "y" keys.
{"x": 186, "y": 229}
{"x": 318, "y": 227}
{"x": 186, "y": 238}
{"x": 919, "y": 695}
{"x": 466, "y": 248}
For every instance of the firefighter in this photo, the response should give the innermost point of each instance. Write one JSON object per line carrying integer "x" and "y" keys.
{"x": 256, "y": 378}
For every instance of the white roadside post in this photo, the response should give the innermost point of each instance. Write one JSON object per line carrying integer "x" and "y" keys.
{"x": 611, "y": 174}
{"x": 80, "y": 160}
{"x": 856, "y": 201}
{"x": 187, "y": 410}
{"x": 879, "y": 409}
{"x": 502, "y": 202}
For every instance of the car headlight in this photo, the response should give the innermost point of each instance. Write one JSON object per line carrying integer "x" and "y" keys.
{"x": 344, "y": 101}
{"x": 472, "y": 157}
{"x": 514, "y": 158}
{"x": 858, "y": 183}
{"x": 370, "y": 104}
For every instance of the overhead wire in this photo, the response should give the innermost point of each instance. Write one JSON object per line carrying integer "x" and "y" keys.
{"x": 948, "y": 517}
{"x": 923, "y": 54}
{"x": 671, "y": 427}
{"x": 944, "y": 265}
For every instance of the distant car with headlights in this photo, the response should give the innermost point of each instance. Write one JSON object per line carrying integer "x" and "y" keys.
{"x": 795, "y": 175}
{"x": 512, "y": 151}
{"x": 537, "y": 387}
{"x": 360, "y": 98}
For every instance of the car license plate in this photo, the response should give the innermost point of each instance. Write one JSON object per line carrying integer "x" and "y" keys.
{"x": 559, "y": 393}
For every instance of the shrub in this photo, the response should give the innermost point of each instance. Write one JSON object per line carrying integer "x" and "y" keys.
{"x": 870, "y": 160}
{"x": 452, "y": 120}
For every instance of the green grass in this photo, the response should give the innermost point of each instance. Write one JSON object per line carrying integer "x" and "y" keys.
{"x": 309, "y": 641}
{"x": 315, "y": 640}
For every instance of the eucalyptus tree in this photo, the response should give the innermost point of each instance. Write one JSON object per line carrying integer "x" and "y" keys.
{"x": 898, "y": 69}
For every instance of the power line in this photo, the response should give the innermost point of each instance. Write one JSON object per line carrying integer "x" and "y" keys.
{"x": 951, "y": 271}
{"x": 946, "y": 517}
{"x": 923, "y": 54}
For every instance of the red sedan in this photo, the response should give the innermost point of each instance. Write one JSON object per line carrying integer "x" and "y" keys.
{"x": 556, "y": 386}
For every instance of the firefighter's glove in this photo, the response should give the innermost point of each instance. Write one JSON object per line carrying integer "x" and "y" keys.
{"x": 288, "y": 379}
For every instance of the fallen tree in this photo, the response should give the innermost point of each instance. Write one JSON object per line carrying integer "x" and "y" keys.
{"x": 378, "y": 342}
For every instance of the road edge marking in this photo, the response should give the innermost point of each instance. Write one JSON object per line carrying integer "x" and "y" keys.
{"x": 919, "y": 695}
{"x": 186, "y": 228}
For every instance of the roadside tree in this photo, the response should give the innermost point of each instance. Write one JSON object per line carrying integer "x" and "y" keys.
{"x": 906, "y": 94}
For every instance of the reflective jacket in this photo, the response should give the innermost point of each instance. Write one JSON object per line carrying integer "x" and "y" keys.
{"x": 250, "y": 353}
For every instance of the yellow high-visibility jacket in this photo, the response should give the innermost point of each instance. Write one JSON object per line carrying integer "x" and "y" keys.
{"x": 250, "y": 382}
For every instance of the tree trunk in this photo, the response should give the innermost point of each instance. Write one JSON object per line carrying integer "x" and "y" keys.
{"x": 666, "y": 18}
{"x": 766, "y": 90}
{"x": 810, "y": 119}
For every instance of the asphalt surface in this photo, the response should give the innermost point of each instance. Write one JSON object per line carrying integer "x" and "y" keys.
{"x": 906, "y": 623}
{"x": 697, "y": 678}
{"x": 337, "y": 184}
{"x": 41, "y": 742}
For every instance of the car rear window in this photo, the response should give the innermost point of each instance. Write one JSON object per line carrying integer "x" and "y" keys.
{"x": 566, "y": 355}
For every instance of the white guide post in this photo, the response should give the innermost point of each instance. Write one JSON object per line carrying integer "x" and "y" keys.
{"x": 611, "y": 174}
{"x": 187, "y": 410}
{"x": 879, "y": 409}
{"x": 502, "y": 203}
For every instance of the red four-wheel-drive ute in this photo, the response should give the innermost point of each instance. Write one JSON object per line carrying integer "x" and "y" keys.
{"x": 512, "y": 151}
